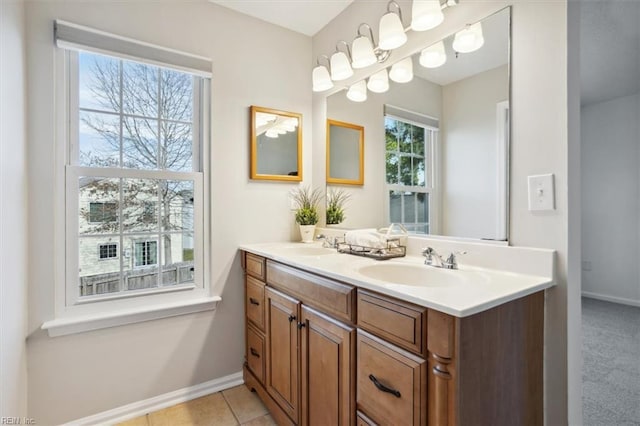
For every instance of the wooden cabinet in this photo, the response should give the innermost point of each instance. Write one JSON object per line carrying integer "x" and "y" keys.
{"x": 321, "y": 352}
{"x": 283, "y": 360}
{"x": 328, "y": 356}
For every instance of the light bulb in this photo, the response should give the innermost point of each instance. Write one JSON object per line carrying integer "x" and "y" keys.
{"x": 469, "y": 39}
{"x": 321, "y": 79}
{"x": 426, "y": 14}
{"x": 433, "y": 56}
{"x": 362, "y": 53}
{"x": 358, "y": 92}
{"x": 402, "y": 71}
{"x": 340, "y": 67}
{"x": 379, "y": 82}
{"x": 391, "y": 32}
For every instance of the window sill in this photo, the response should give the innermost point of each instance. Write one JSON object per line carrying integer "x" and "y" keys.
{"x": 80, "y": 324}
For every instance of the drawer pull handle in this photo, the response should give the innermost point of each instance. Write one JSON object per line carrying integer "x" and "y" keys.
{"x": 383, "y": 388}
{"x": 254, "y": 353}
{"x": 292, "y": 318}
{"x": 254, "y": 301}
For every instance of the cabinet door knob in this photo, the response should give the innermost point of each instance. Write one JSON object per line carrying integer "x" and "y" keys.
{"x": 292, "y": 318}
{"x": 300, "y": 325}
{"x": 254, "y": 301}
{"x": 384, "y": 388}
{"x": 254, "y": 353}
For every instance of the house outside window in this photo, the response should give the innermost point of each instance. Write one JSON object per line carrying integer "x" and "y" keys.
{"x": 410, "y": 173}
{"x": 100, "y": 212}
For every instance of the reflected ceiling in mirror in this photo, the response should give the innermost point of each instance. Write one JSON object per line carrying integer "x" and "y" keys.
{"x": 276, "y": 144}
{"x": 437, "y": 145}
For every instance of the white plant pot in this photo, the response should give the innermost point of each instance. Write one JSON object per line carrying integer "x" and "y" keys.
{"x": 306, "y": 233}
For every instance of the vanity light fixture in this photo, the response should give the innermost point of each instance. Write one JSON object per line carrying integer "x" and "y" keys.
{"x": 402, "y": 71}
{"x": 358, "y": 92}
{"x": 320, "y": 76}
{"x": 433, "y": 56}
{"x": 426, "y": 14}
{"x": 362, "y": 54}
{"x": 391, "y": 31}
{"x": 469, "y": 39}
{"x": 340, "y": 64}
{"x": 379, "y": 82}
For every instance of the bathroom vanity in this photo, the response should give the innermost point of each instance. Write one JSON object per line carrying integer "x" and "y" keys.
{"x": 332, "y": 340}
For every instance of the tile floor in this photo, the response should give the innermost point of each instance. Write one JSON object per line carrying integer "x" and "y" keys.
{"x": 235, "y": 406}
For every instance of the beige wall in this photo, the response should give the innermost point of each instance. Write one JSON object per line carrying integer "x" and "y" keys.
{"x": 254, "y": 63}
{"x": 539, "y": 145}
{"x": 13, "y": 211}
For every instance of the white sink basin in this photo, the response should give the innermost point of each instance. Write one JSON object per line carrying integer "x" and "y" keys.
{"x": 414, "y": 275}
{"x": 304, "y": 250}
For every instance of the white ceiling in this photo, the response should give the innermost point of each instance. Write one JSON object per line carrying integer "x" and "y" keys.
{"x": 303, "y": 16}
{"x": 609, "y": 49}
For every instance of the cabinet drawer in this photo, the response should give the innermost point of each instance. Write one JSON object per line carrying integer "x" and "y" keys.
{"x": 391, "y": 383}
{"x": 255, "y": 266}
{"x": 255, "y": 352}
{"x": 329, "y": 296}
{"x": 398, "y": 322}
{"x": 255, "y": 302}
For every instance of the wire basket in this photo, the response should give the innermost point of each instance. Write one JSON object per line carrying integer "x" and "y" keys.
{"x": 392, "y": 249}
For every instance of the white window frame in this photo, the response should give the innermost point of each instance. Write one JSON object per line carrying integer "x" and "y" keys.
{"x": 432, "y": 177}
{"x": 75, "y": 314}
{"x": 100, "y": 245}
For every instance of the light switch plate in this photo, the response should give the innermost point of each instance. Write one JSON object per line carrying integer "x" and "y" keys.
{"x": 541, "y": 193}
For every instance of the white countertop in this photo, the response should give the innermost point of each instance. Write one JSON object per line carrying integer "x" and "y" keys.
{"x": 462, "y": 292}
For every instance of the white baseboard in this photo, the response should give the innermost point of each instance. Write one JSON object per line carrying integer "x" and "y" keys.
{"x": 621, "y": 300}
{"x": 159, "y": 402}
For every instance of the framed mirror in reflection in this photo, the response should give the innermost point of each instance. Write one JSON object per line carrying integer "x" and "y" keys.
{"x": 437, "y": 145}
{"x": 345, "y": 153}
{"x": 276, "y": 145}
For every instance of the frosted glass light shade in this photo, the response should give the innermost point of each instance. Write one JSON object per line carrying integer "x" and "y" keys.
{"x": 433, "y": 56}
{"x": 402, "y": 72}
{"x": 362, "y": 53}
{"x": 271, "y": 133}
{"x": 321, "y": 79}
{"x": 379, "y": 82}
{"x": 340, "y": 67}
{"x": 391, "y": 32}
{"x": 426, "y": 14}
{"x": 358, "y": 92}
{"x": 469, "y": 39}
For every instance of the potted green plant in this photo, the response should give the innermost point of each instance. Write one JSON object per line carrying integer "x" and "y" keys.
{"x": 336, "y": 201}
{"x": 306, "y": 202}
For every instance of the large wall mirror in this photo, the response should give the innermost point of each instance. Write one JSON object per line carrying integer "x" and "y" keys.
{"x": 276, "y": 144}
{"x": 345, "y": 153}
{"x": 438, "y": 145}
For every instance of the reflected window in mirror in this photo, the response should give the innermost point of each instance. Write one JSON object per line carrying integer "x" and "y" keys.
{"x": 345, "y": 153}
{"x": 276, "y": 145}
{"x": 410, "y": 172}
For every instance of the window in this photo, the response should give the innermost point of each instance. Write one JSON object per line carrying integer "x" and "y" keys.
{"x": 145, "y": 253}
{"x": 132, "y": 129}
{"x": 107, "y": 251}
{"x": 102, "y": 212}
{"x": 410, "y": 173}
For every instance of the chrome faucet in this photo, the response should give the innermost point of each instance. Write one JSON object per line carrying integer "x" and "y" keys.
{"x": 432, "y": 258}
{"x": 328, "y": 242}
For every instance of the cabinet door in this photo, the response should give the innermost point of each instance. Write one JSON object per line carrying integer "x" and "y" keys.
{"x": 328, "y": 370}
{"x": 283, "y": 361}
